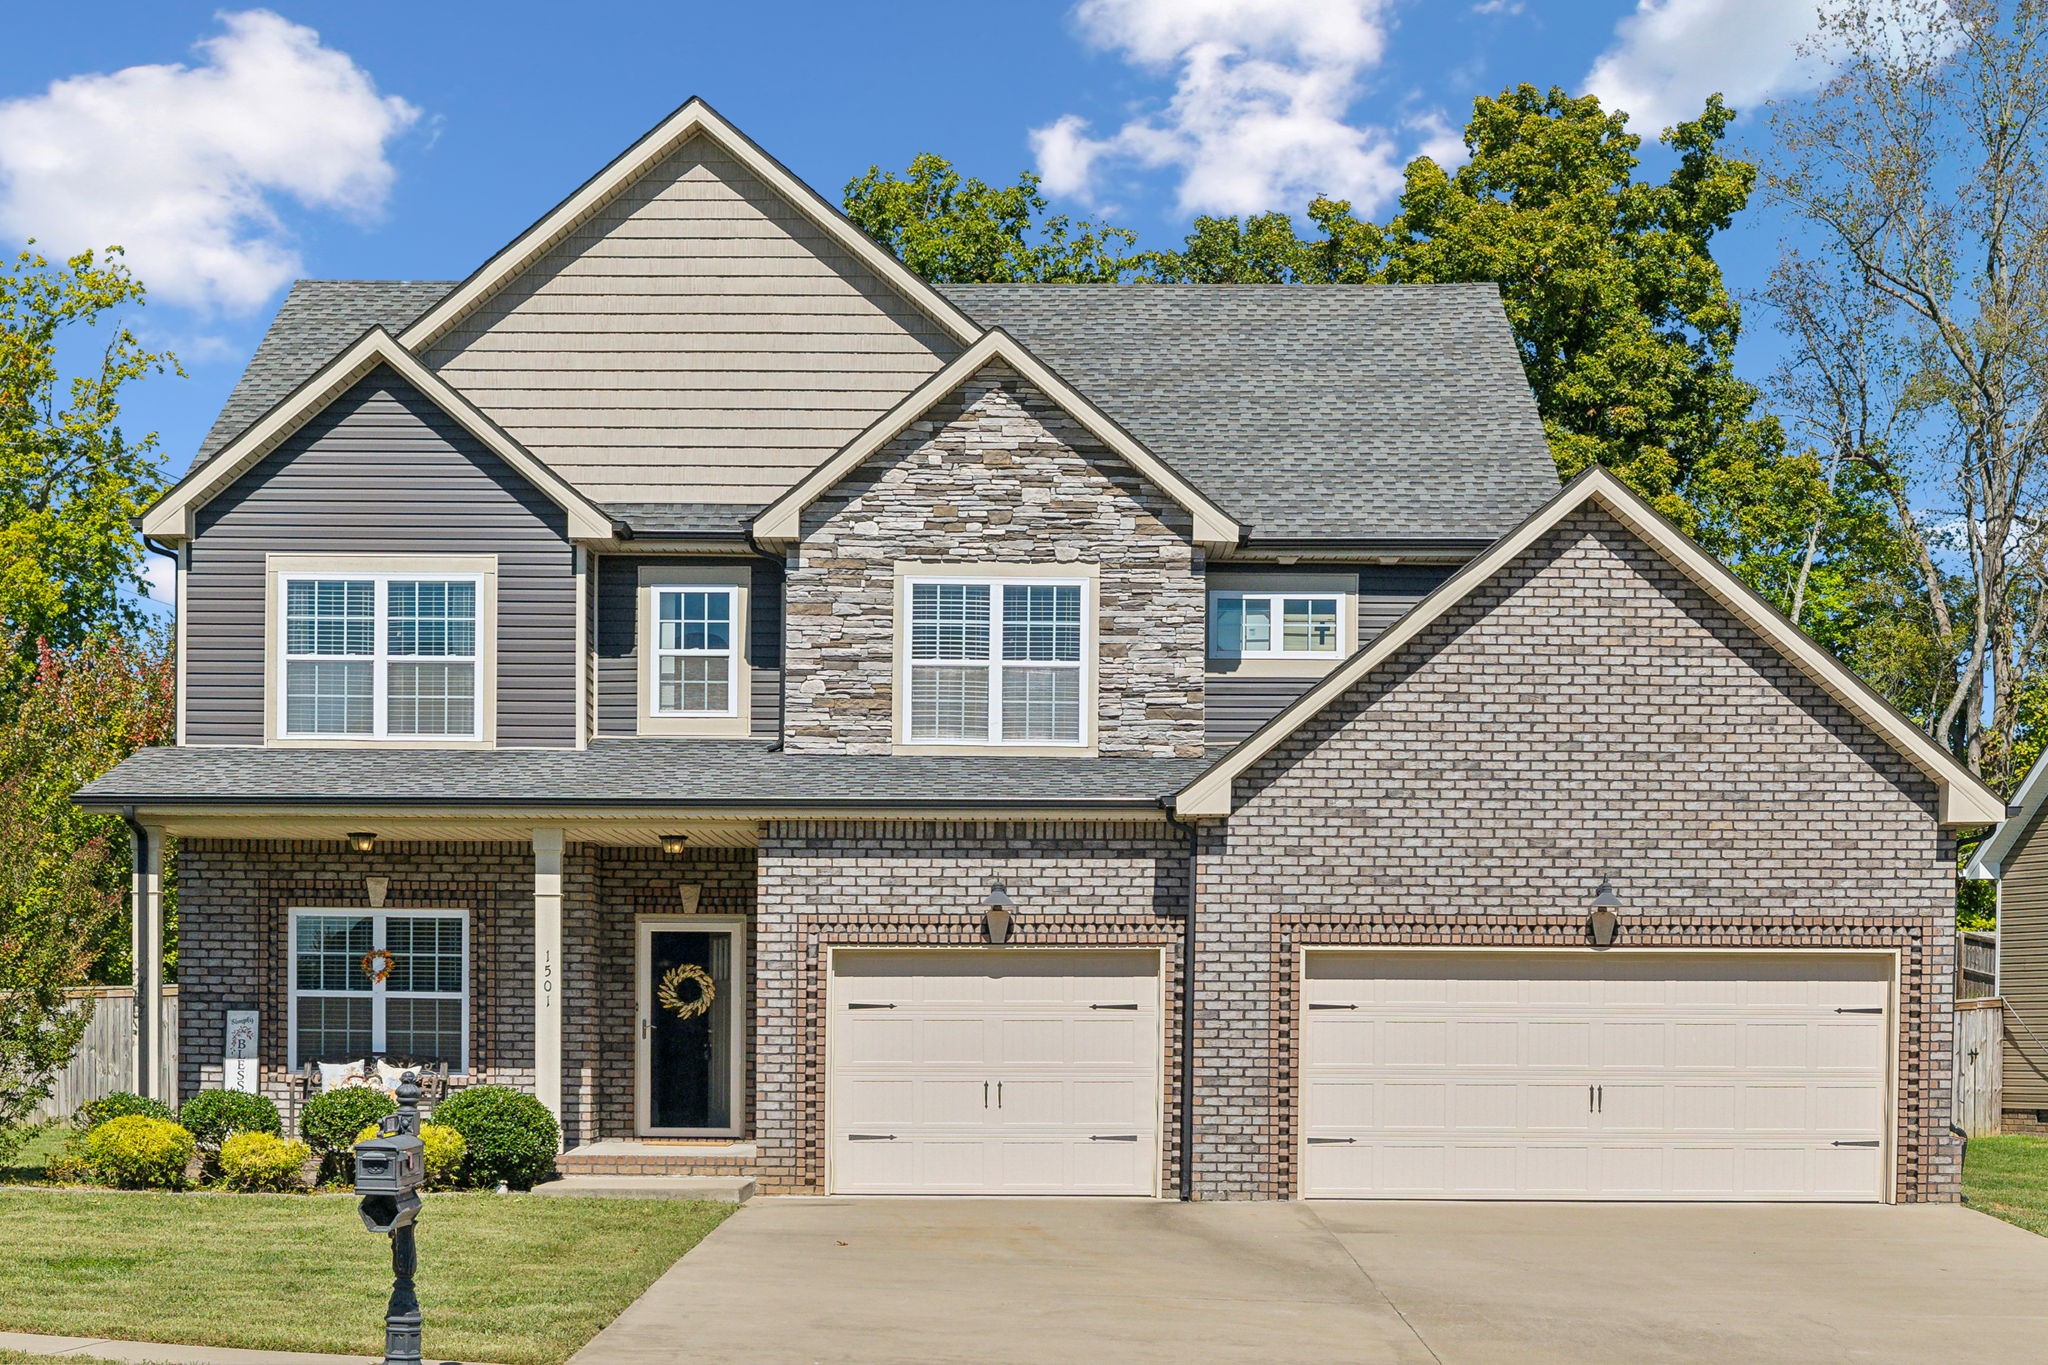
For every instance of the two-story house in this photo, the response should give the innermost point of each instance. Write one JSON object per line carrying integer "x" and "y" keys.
{"x": 1133, "y": 740}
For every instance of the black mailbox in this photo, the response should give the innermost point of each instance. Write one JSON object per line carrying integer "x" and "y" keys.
{"x": 390, "y": 1163}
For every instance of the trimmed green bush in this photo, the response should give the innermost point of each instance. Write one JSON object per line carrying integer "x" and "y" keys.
{"x": 443, "y": 1148}
{"x": 262, "y": 1161}
{"x": 330, "y": 1121}
{"x": 511, "y": 1136}
{"x": 214, "y": 1115}
{"x": 135, "y": 1152}
{"x": 120, "y": 1104}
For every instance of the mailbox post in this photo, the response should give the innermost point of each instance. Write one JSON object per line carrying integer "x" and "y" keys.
{"x": 390, "y": 1168}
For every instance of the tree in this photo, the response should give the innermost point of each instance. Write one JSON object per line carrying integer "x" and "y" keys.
{"x": 954, "y": 231}
{"x": 1922, "y": 167}
{"x": 71, "y": 482}
{"x": 64, "y": 872}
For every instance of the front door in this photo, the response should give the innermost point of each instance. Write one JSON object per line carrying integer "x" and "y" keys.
{"x": 691, "y": 998}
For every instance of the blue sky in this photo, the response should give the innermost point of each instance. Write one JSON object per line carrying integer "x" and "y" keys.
{"x": 232, "y": 149}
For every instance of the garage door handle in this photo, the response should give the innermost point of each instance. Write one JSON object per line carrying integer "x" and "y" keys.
{"x": 1857, "y": 1142}
{"x": 1320, "y": 1142}
{"x": 1859, "y": 1009}
{"x": 1112, "y": 1007}
{"x": 1113, "y": 1137}
{"x": 870, "y": 1137}
{"x": 864, "y": 1005}
{"x": 1320, "y": 1005}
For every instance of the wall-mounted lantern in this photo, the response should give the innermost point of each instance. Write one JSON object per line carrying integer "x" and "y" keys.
{"x": 362, "y": 841}
{"x": 673, "y": 844}
{"x": 1604, "y": 922}
{"x": 996, "y": 917}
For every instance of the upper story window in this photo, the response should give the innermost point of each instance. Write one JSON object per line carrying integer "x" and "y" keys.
{"x": 1260, "y": 625}
{"x": 994, "y": 661}
{"x": 694, "y": 652}
{"x": 381, "y": 656}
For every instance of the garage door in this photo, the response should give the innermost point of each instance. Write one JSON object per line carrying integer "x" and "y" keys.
{"x": 1594, "y": 1076}
{"x": 1001, "y": 1071}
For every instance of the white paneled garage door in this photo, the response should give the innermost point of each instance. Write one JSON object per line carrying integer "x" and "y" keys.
{"x": 1580, "y": 1075}
{"x": 995, "y": 1071}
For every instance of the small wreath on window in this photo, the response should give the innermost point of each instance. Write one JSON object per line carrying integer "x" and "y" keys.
{"x": 669, "y": 992}
{"x": 377, "y": 964}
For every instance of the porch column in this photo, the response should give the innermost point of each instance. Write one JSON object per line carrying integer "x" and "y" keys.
{"x": 147, "y": 951}
{"x": 547, "y": 966}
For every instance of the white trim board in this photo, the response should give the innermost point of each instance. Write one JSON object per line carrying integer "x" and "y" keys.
{"x": 694, "y": 119}
{"x": 1988, "y": 862}
{"x": 780, "y": 523}
{"x": 1965, "y": 799}
{"x": 172, "y": 516}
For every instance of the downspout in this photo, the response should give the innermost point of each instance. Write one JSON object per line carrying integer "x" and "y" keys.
{"x": 1187, "y": 1008}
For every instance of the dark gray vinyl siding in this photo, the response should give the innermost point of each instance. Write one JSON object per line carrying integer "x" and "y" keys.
{"x": 381, "y": 471}
{"x": 618, "y": 645}
{"x": 1233, "y": 707}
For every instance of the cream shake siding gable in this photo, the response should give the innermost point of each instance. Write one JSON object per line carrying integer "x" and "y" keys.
{"x": 697, "y": 339}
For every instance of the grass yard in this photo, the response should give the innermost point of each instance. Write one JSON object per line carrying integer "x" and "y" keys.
{"x": 34, "y": 1155}
{"x": 2007, "y": 1177}
{"x": 514, "y": 1279}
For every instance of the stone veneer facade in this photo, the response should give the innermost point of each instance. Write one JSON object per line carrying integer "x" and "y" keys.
{"x": 995, "y": 474}
{"x": 1589, "y": 713}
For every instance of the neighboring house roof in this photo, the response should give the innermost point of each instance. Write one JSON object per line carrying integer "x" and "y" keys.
{"x": 781, "y": 521}
{"x": 723, "y": 774}
{"x": 1394, "y": 415}
{"x": 1388, "y": 412}
{"x": 171, "y": 515}
{"x": 1988, "y": 863}
{"x": 1964, "y": 799}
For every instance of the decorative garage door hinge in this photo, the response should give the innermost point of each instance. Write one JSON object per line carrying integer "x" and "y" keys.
{"x": 867, "y": 1005}
{"x": 1113, "y": 1137}
{"x": 1113, "y": 1007}
{"x": 1859, "y": 1009}
{"x": 1319, "y": 1142}
{"x": 1329, "y": 1005}
{"x": 1855, "y": 1142}
{"x": 870, "y": 1137}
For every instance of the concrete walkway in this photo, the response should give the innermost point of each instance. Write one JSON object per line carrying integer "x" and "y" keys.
{"x": 1036, "y": 1280}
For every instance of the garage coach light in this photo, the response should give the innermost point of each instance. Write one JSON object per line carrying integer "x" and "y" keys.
{"x": 1605, "y": 921}
{"x": 995, "y": 914}
{"x": 361, "y": 841}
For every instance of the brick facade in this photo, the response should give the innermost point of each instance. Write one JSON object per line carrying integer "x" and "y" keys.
{"x": 1590, "y": 713}
{"x": 995, "y": 474}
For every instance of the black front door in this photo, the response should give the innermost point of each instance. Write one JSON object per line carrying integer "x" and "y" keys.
{"x": 691, "y": 1033}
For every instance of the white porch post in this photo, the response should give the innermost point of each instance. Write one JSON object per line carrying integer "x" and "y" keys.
{"x": 147, "y": 951}
{"x": 547, "y": 969}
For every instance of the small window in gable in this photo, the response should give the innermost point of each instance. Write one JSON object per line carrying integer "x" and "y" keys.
{"x": 1254, "y": 625}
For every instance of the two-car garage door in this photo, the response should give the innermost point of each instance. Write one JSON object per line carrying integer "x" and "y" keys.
{"x": 1578, "y": 1075}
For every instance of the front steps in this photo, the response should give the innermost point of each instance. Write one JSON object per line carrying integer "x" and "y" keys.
{"x": 718, "y": 1189}
{"x": 656, "y": 1157}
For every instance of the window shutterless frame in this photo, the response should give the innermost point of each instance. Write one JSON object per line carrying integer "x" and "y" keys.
{"x": 378, "y": 993}
{"x": 1325, "y": 641}
{"x": 380, "y": 656}
{"x": 1001, "y": 625}
{"x": 658, "y": 650}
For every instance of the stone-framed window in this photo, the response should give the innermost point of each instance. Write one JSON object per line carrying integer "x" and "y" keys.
{"x": 997, "y": 660}
{"x": 374, "y": 982}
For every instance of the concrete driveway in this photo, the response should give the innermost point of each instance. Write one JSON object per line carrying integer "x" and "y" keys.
{"x": 1085, "y": 1280}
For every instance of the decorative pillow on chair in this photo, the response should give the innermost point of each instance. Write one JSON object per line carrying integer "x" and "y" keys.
{"x": 335, "y": 1075}
{"x": 388, "y": 1075}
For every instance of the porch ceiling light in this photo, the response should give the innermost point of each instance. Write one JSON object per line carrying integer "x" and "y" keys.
{"x": 673, "y": 844}
{"x": 996, "y": 918}
{"x": 362, "y": 841}
{"x": 1605, "y": 920}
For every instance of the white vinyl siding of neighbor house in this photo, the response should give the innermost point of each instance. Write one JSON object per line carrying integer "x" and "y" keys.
{"x": 697, "y": 340}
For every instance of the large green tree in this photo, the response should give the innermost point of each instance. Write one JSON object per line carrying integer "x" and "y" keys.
{"x": 952, "y": 230}
{"x": 71, "y": 481}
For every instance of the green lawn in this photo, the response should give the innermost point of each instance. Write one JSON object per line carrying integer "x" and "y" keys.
{"x": 29, "y": 1161}
{"x": 2007, "y": 1177}
{"x": 516, "y": 1279}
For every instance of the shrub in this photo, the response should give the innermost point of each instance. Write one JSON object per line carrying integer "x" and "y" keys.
{"x": 120, "y": 1104}
{"x": 331, "y": 1119}
{"x": 135, "y": 1152}
{"x": 443, "y": 1149}
{"x": 214, "y": 1115}
{"x": 262, "y": 1161}
{"x": 511, "y": 1136}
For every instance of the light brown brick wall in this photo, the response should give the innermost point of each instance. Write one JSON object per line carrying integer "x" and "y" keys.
{"x": 1591, "y": 713}
{"x": 997, "y": 475}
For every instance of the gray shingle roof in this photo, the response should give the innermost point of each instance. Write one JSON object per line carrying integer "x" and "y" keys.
{"x": 1307, "y": 411}
{"x": 711, "y": 519}
{"x": 730, "y": 774}
{"x": 1394, "y": 412}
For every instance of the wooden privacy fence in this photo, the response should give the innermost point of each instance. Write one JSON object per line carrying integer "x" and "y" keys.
{"x": 105, "y": 1059}
{"x": 1976, "y": 965}
{"x": 1980, "y": 1065}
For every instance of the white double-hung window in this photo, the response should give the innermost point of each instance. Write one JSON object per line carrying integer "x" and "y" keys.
{"x": 994, "y": 661}
{"x": 1259, "y": 625}
{"x": 380, "y": 982}
{"x": 694, "y": 651}
{"x": 373, "y": 656}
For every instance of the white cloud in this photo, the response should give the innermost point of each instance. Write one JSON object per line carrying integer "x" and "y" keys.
{"x": 1257, "y": 118}
{"x": 160, "y": 579}
{"x": 186, "y": 166}
{"x": 1669, "y": 55}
